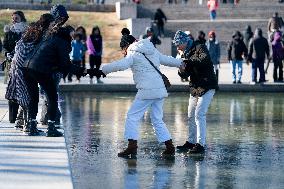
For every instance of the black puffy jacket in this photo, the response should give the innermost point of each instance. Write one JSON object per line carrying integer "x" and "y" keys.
{"x": 52, "y": 55}
{"x": 200, "y": 68}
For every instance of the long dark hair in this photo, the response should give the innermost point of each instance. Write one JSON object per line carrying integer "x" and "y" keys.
{"x": 96, "y": 28}
{"x": 36, "y": 30}
{"x": 21, "y": 15}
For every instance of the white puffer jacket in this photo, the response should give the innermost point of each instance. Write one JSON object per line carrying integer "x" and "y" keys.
{"x": 148, "y": 81}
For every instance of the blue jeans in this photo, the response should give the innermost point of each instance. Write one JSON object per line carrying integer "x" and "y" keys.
{"x": 258, "y": 64}
{"x": 238, "y": 63}
{"x": 213, "y": 14}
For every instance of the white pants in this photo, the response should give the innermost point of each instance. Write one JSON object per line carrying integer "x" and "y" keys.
{"x": 197, "y": 109}
{"x": 135, "y": 114}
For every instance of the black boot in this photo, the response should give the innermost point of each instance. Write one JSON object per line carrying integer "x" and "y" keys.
{"x": 197, "y": 149}
{"x": 131, "y": 149}
{"x": 31, "y": 128}
{"x": 187, "y": 146}
{"x": 52, "y": 131}
{"x": 20, "y": 121}
{"x": 170, "y": 149}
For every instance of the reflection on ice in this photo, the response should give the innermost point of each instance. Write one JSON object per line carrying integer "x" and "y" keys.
{"x": 245, "y": 143}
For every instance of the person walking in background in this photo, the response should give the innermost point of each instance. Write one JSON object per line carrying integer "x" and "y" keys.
{"x": 203, "y": 84}
{"x": 237, "y": 51}
{"x": 151, "y": 36}
{"x": 160, "y": 19}
{"x": 274, "y": 24}
{"x": 258, "y": 48}
{"x": 214, "y": 51}
{"x": 151, "y": 90}
{"x": 82, "y": 31}
{"x": 95, "y": 50}
{"x": 213, "y": 6}
{"x": 248, "y": 34}
{"x": 12, "y": 34}
{"x": 277, "y": 56}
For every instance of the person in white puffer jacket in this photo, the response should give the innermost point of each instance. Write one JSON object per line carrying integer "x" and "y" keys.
{"x": 151, "y": 90}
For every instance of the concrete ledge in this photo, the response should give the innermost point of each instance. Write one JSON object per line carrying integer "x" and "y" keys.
{"x": 126, "y": 10}
{"x": 137, "y": 26}
{"x": 173, "y": 88}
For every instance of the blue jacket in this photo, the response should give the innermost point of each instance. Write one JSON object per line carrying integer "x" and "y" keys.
{"x": 77, "y": 50}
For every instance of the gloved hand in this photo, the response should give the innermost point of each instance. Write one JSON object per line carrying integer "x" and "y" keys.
{"x": 91, "y": 72}
{"x": 100, "y": 73}
{"x": 81, "y": 73}
{"x": 97, "y": 73}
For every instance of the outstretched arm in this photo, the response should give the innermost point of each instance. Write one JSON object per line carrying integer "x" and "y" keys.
{"x": 170, "y": 61}
{"x": 119, "y": 65}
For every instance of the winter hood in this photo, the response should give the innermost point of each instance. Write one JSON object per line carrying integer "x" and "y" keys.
{"x": 143, "y": 46}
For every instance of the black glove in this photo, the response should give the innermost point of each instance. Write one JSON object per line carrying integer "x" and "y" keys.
{"x": 91, "y": 72}
{"x": 100, "y": 73}
{"x": 97, "y": 73}
{"x": 81, "y": 73}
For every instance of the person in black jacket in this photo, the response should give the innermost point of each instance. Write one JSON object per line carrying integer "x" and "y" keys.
{"x": 258, "y": 48}
{"x": 12, "y": 34}
{"x": 160, "y": 19}
{"x": 237, "y": 50}
{"x": 203, "y": 84}
{"x": 51, "y": 56}
{"x": 248, "y": 34}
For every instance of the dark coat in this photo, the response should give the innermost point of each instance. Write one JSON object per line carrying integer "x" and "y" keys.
{"x": 236, "y": 49}
{"x": 160, "y": 17}
{"x": 258, "y": 47}
{"x": 200, "y": 68}
{"x": 97, "y": 41}
{"x": 248, "y": 34}
{"x": 53, "y": 55}
{"x": 10, "y": 40}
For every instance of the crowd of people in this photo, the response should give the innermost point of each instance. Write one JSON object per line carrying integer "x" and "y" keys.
{"x": 43, "y": 52}
{"x": 47, "y": 50}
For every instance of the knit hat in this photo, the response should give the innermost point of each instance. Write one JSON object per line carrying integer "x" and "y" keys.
{"x": 125, "y": 31}
{"x": 126, "y": 40}
{"x": 58, "y": 12}
{"x": 181, "y": 38}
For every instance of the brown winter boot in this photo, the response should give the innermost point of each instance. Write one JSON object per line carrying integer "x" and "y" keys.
{"x": 170, "y": 149}
{"x": 131, "y": 149}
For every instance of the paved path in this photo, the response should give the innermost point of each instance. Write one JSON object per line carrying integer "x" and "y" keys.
{"x": 30, "y": 162}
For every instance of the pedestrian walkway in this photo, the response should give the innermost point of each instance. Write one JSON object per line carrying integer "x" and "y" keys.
{"x": 27, "y": 162}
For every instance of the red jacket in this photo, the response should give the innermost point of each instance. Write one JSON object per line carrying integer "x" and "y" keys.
{"x": 212, "y": 5}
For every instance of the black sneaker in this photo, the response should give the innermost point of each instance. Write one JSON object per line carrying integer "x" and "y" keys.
{"x": 32, "y": 128}
{"x": 197, "y": 149}
{"x": 234, "y": 82}
{"x": 239, "y": 82}
{"x": 187, "y": 146}
{"x": 52, "y": 131}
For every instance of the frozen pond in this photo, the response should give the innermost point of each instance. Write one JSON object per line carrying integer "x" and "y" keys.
{"x": 245, "y": 143}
